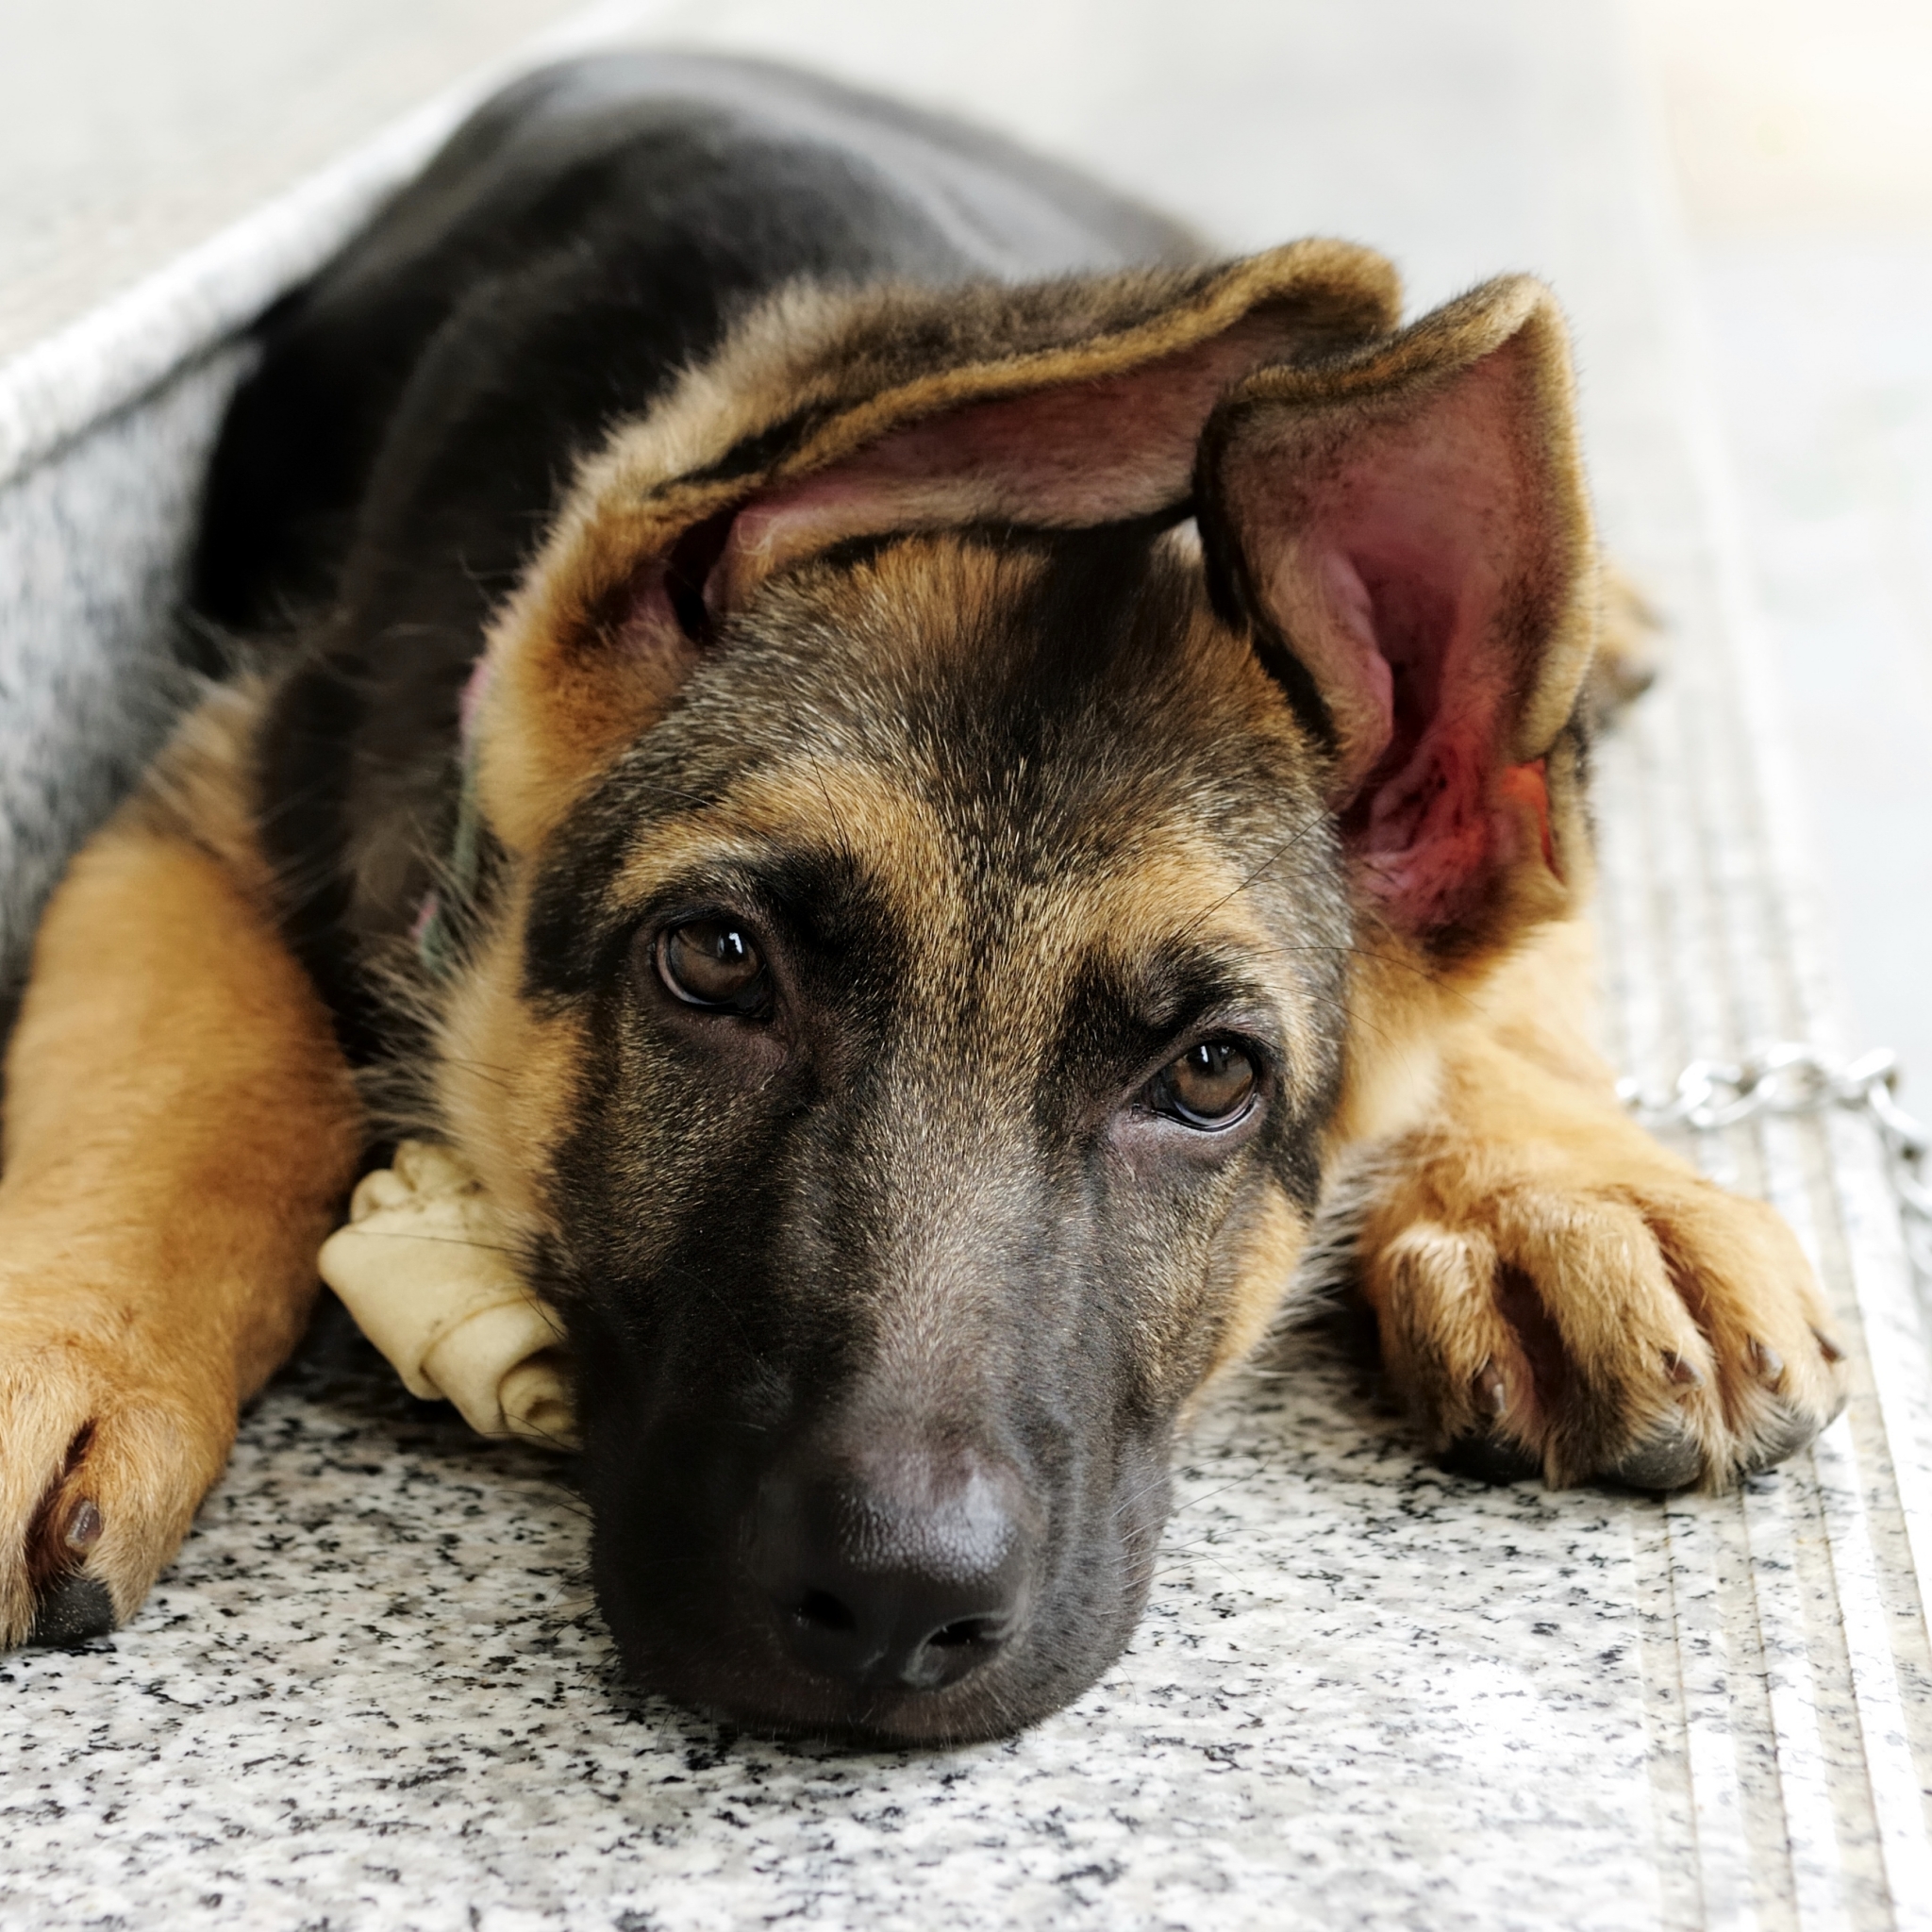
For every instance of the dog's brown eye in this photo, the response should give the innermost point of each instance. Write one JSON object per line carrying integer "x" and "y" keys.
{"x": 1208, "y": 1086}
{"x": 711, "y": 963}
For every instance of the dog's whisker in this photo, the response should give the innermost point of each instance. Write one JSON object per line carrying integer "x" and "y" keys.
{"x": 845, "y": 844}
{"x": 441, "y": 1241}
{"x": 1208, "y": 1495}
{"x": 1412, "y": 967}
{"x": 1312, "y": 823}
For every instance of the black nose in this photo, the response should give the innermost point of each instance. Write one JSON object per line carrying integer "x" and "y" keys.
{"x": 909, "y": 1570}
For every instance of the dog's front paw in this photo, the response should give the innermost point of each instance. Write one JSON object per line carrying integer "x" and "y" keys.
{"x": 107, "y": 1445}
{"x": 1595, "y": 1316}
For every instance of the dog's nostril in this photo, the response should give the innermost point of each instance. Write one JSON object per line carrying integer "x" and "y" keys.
{"x": 968, "y": 1630}
{"x": 822, "y": 1610}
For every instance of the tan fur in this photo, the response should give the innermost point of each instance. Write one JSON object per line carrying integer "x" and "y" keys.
{"x": 1524, "y": 1160}
{"x": 1262, "y": 1253}
{"x": 814, "y": 801}
{"x": 506, "y": 1076}
{"x": 179, "y": 1131}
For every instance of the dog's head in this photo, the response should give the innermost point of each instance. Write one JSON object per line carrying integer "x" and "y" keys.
{"x": 988, "y": 792}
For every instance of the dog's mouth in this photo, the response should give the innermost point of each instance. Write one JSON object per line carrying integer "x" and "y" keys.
{"x": 902, "y": 1593}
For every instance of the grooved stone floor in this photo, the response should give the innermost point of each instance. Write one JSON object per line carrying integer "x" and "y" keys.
{"x": 373, "y": 1693}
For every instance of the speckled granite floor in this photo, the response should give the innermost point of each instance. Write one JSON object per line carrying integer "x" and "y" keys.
{"x": 373, "y": 1692}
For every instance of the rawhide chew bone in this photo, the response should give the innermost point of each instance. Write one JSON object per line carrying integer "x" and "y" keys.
{"x": 423, "y": 1266}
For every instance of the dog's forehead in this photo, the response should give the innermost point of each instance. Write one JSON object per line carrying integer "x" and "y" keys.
{"x": 1051, "y": 695}
{"x": 1129, "y": 885}
{"x": 1041, "y": 731}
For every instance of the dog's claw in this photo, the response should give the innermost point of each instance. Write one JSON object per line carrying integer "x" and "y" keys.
{"x": 73, "y": 1611}
{"x": 1492, "y": 1391}
{"x": 1771, "y": 1364}
{"x": 1682, "y": 1372}
{"x": 83, "y": 1525}
{"x": 1826, "y": 1346}
{"x": 1668, "y": 1459}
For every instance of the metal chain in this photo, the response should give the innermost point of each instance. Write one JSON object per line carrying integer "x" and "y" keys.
{"x": 1792, "y": 1078}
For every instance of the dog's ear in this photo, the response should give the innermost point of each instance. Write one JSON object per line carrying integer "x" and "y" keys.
{"x": 1406, "y": 531}
{"x": 1056, "y": 406}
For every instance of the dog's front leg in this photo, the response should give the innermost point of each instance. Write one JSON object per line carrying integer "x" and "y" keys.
{"x": 179, "y": 1127}
{"x": 1556, "y": 1291}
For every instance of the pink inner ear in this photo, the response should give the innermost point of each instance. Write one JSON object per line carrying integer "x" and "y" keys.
{"x": 1074, "y": 454}
{"x": 1404, "y": 591}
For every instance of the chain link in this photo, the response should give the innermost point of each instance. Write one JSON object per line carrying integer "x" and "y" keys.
{"x": 1791, "y": 1077}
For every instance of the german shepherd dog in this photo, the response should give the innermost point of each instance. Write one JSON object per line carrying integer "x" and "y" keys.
{"x": 934, "y": 790}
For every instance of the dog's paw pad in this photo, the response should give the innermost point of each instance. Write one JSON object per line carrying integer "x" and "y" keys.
{"x": 1783, "y": 1433}
{"x": 1488, "y": 1460}
{"x": 75, "y": 1611}
{"x": 1670, "y": 1457}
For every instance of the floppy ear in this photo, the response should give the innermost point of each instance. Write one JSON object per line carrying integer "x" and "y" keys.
{"x": 1059, "y": 406}
{"x": 1407, "y": 531}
